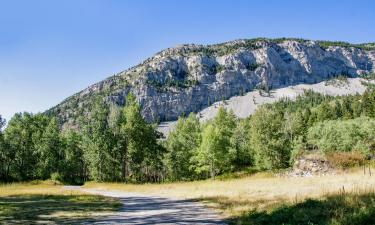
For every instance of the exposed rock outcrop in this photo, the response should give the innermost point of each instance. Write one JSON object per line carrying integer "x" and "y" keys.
{"x": 191, "y": 77}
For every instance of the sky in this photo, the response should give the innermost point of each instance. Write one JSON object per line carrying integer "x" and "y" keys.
{"x": 50, "y": 50}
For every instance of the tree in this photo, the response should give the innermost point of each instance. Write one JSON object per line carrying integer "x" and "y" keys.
{"x": 213, "y": 157}
{"x": 23, "y": 159}
{"x": 48, "y": 146}
{"x": 240, "y": 151}
{"x": 116, "y": 122}
{"x": 268, "y": 139}
{"x": 4, "y": 157}
{"x": 143, "y": 151}
{"x": 98, "y": 144}
{"x": 347, "y": 111}
{"x": 181, "y": 144}
{"x": 73, "y": 168}
{"x": 325, "y": 112}
{"x": 344, "y": 135}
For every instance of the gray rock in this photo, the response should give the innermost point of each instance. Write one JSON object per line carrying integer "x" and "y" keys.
{"x": 188, "y": 78}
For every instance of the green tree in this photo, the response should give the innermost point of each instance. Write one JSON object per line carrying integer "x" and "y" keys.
{"x": 144, "y": 153}
{"x": 73, "y": 168}
{"x": 116, "y": 123}
{"x": 268, "y": 139}
{"x": 347, "y": 111}
{"x": 4, "y": 155}
{"x": 48, "y": 146}
{"x": 23, "y": 158}
{"x": 325, "y": 112}
{"x": 181, "y": 144}
{"x": 213, "y": 156}
{"x": 98, "y": 144}
{"x": 344, "y": 135}
{"x": 240, "y": 151}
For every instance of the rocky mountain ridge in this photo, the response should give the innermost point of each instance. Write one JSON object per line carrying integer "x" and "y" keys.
{"x": 188, "y": 78}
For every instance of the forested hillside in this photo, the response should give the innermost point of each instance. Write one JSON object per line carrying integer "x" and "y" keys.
{"x": 117, "y": 144}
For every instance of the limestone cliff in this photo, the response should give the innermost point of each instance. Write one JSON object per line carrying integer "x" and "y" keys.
{"x": 189, "y": 78}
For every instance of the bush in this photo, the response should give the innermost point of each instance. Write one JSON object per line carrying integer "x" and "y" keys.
{"x": 346, "y": 160}
{"x": 344, "y": 136}
{"x": 56, "y": 177}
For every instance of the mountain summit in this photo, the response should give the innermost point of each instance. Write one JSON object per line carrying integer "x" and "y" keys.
{"x": 188, "y": 78}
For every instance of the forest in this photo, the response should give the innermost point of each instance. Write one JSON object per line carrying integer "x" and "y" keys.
{"x": 117, "y": 145}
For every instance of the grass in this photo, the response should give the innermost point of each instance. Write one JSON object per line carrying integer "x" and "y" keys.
{"x": 264, "y": 198}
{"x": 343, "y": 209}
{"x": 45, "y": 202}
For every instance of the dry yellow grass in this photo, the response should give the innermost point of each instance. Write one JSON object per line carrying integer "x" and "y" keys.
{"x": 34, "y": 188}
{"x": 45, "y": 202}
{"x": 235, "y": 196}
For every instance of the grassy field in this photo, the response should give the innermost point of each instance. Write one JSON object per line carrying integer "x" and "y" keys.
{"x": 45, "y": 202}
{"x": 346, "y": 198}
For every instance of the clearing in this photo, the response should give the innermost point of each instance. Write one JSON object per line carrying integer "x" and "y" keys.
{"x": 47, "y": 203}
{"x": 346, "y": 198}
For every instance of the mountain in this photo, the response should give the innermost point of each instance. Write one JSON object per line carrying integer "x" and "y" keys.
{"x": 245, "y": 105}
{"x": 189, "y": 78}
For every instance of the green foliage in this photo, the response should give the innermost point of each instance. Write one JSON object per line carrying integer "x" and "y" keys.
{"x": 219, "y": 68}
{"x": 113, "y": 145}
{"x": 240, "y": 152}
{"x": 343, "y": 208}
{"x": 367, "y": 76}
{"x": 22, "y": 136}
{"x": 48, "y": 146}
{"x": 98, "y": 145}
{"x": 3, "y": 152}
{"x": 338, "y": 81}
{"x": 117, "y": 144}
{"x": 172, "y": 83}
{"x": 348, "y": 135}
{"x": 74, "y": 169}
{"x": 213, "y": 156}
{"x": 269, "y": 141}
{"x": 327, "y": 44}
{"x": 252, "y": 66}
{"x": 54, "y": 208}
{"x": 143, "y": 151}
{"x": 181, "y": 144}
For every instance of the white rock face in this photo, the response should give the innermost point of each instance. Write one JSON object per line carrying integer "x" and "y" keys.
{"x": 244, "y": 106}
{"x": 190, "y": 78}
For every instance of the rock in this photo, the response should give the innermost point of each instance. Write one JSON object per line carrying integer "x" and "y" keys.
{"x": 313, "y": 163}
{"x": 189, "y": 78}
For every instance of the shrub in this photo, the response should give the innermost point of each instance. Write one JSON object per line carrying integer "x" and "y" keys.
{"x": 344, "y": 136}
{"x": 56, "y": 177}
{"x": 346, "y": 159}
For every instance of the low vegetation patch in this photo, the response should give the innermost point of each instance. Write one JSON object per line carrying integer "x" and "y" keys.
{"x": 261, "y": 198}
{"x": 345, "y": 160}
{"x": 338, "y": 81}
{"x": 342, "y": 208}
{"x": 28, "y": 203}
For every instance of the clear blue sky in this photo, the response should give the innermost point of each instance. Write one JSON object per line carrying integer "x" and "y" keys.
{"x": 52, "y": 49}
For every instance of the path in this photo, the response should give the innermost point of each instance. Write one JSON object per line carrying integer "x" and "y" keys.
{"x": 145, "y": 209}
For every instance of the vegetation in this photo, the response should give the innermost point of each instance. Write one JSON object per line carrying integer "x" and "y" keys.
{"x": 113, "y": 145}
{"x": 172, "y": 83}
{"x": 266, "y": 199}
{"x": 253, "y": 44}
{"x": 37, "y": 202}
{"x": 275, "y": 134}
{"x": 116, "y": 144}
{"x": 343, "y": 208}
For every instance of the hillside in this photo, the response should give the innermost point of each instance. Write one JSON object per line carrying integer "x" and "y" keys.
{"x": 245, "y": 105}
{"x": 189, "y": 78}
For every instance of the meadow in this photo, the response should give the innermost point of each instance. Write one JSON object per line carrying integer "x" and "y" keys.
{"x": 263, "y": 198}
{"x": 49, "y": 203}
